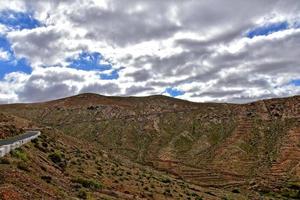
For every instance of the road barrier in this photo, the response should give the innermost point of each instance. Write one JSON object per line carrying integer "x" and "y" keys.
{"x": 10, "y": 144}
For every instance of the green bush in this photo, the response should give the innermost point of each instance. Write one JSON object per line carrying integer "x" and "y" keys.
{"x": 59, "y": 159}
{"x": 48, "y": 179}
{"x": 20, "y": 154}
{"x": 35, "y": 141}
{"x": 56, "y": 157}
{"x": 88, "y": 183}
{"x": 166, "y": 180}
{"x": 23, "y": 166}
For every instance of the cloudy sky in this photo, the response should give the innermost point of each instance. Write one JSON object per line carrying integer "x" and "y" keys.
{"x": 199, "y": 50}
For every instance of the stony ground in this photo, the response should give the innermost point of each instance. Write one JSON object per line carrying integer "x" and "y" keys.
{"x": 61, "y": 167}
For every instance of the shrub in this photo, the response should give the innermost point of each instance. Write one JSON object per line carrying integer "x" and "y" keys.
{"x": 88, "y": 183}
{"x": 56, "y": 157}
{"x": 23, "y": 166}
{"x": 166, "y": 180}
{"x": 194, "y": 194}
{"x": 35, "y": 141}
{"x": 82, "y": 194}
{"x": 18, "y": 153}
{"x": 294, "y": 185}
{"x": 128, "y": 173}
{"x": 236, "y": 191}
{"x": 293, "y": 194}
{"x": 48, "y": 179}
{"x": 37, "y": 145}
{"x": 44, "y": 144}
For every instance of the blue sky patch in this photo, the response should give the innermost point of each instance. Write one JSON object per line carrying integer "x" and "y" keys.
{"x": 174, "y": 92}
{"x": 12, "y": 64}
{"x": 267, "y": 29}
{"x": 18, "y": 20}
{"x": 88, "y": 61}
{"x": 113, "y": 75}
{"x": 4, "y": 44}
{"x": 295, "y": 82}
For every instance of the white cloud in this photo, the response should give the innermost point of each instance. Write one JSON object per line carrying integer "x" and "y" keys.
{"x": 4, "y": 55}
{"x": 198, "y": 47}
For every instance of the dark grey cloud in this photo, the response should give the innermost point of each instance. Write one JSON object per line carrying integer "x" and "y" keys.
{"x": 218, "y": 93}
{"x": 119, "y": 27}
{"x": 108, "y": 88}
{"x": 33, "y": 92}
{"x": 242, "y": 80}
{"x": 42, "y": 45}
{"x": 140, "y": 75}
{"x": 241, "y": 98}
{"x": 50, "y": 83}
{"x": 54, "y": 76}
{"x": 177, "y": 64}
{"x": 136, "y": 90}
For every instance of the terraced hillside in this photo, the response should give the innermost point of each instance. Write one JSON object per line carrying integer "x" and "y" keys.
{"x": 57, "y": 166}
{"x": 252, "y": 146}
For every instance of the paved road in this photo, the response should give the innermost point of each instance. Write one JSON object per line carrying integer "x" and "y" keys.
{"x": 26, "y": 135}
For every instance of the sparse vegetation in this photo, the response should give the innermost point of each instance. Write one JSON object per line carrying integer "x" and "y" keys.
{"x": 56, "y": 157}
{"x": 48, "y": 179}
{"x": 5, "y": 161}
{"x": 236, "y": 191}
{"x": 83, "y": 194}
{"x": 165, "y": 180}
{"x": 20, "y": 154}
{"x": 23, "y": 166}
{"x": 88, "y": 183}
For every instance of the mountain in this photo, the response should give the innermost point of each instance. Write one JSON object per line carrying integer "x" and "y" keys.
{"x": 249, "y": 150}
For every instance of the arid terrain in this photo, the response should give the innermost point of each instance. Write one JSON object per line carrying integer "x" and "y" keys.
{"x": 156, "y": 147}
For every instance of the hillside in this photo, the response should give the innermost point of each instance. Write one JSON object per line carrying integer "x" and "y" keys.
{"x": 11, "y": 125}
{"x": 57, "y": 166}
{"x": 254, "y": 147}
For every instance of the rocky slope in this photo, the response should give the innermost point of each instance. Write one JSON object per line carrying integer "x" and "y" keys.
{"x": 253, "y": 146}
{"x": 57, "y": 166}
{"x": 11, "y": 125}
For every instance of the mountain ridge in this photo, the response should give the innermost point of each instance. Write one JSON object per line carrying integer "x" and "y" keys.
{"x": 89, "y": 95}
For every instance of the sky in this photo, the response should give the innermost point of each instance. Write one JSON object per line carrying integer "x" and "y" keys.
{"x": 203, "y": 51}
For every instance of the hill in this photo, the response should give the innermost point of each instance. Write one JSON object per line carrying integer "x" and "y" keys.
{"x": 251, "y": 148}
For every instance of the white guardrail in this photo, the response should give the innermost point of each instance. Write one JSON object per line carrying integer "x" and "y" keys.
{"x": 10, "y": 144}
